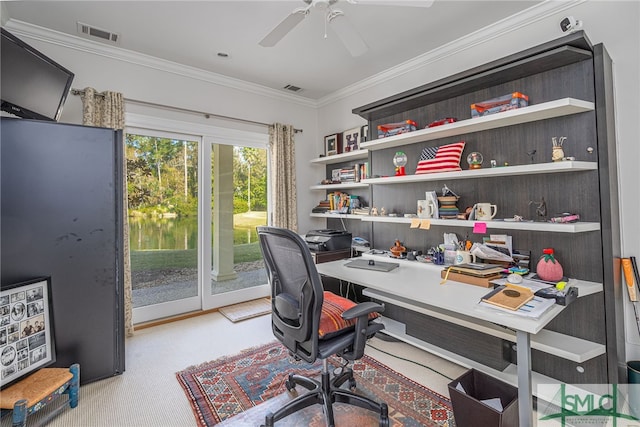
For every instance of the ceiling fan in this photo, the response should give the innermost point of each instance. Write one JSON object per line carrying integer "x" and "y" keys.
{"x": 336, "y": 19}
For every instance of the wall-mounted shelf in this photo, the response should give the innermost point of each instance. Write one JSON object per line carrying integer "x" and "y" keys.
{"x": 340, "y": 186}
{"x": 336, "y": 216}
{"x": 536, "y": 168}
{"x": 343, "y": 157}
{"x": 576, "y": 227}
{"x": 561, "y": 345}
{"x": 532, "y": 113}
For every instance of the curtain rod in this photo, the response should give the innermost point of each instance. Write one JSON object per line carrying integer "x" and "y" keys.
{"x": 186, "y": 110}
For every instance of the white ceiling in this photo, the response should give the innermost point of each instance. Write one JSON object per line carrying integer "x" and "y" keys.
{"x": 193, "y": 32}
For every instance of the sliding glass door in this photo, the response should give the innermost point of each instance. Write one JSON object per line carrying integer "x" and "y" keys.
{"x": 194, "y": 204}
{"x": 163, "y": 193}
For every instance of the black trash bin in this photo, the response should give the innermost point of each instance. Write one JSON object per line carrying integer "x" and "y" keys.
{"x": 470, "y": 411}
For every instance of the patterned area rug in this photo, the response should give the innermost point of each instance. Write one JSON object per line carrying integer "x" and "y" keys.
{"x": 239, "y": 390}
{"x": 246, "y": 310}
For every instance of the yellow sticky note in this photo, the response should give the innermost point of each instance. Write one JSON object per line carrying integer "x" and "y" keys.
{"x": 425, "y": 224}
{"x": 415, "y": 223}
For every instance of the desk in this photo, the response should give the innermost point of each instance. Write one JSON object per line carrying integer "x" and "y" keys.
{"x": 421, "y": 283}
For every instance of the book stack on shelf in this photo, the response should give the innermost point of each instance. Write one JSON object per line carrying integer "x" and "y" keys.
{"x": 323, "y": 207}
{"x": 358, "y": 172}
{"x": 477, "y": 274}
{"x": 348, "y": 175}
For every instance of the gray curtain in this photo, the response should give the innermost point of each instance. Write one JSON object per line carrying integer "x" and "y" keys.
{"x": 282, "y": 154}
{"x": 106, "y": 109}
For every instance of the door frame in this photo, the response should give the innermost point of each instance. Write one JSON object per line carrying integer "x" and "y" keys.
{"x": 206, "y": 136}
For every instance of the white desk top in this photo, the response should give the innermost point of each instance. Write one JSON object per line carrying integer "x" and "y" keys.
{"x": 421, "y": 283}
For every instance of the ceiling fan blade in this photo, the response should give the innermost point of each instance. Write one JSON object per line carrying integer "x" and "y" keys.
{"x": 410, "y": 3}
{"x": 347, "y": 34}
{"x": 283, "y": 28}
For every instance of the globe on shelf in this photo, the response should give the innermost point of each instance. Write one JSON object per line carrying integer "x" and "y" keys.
{"x": 475, "y": 160}
{"x": 399, "y": 161}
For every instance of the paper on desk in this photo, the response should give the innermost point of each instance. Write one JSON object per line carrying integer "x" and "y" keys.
{"x": 534, "y": 285}
{"x": 485, "y": 252}
{"x": 532, "y": 309}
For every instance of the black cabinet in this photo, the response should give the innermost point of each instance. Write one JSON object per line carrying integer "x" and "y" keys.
{"x": 62, "y": 217}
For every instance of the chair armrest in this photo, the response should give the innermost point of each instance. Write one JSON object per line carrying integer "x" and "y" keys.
{"x": 362, "y": 309}
{"x": 361, "y": 313}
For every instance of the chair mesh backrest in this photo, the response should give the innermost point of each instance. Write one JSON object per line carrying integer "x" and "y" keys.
{"x": 296, "y": 290}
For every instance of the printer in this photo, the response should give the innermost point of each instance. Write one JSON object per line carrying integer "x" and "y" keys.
{"x": 328, "y": 240}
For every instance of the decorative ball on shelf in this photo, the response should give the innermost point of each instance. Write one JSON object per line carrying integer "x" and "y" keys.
{"x": 475, "y": 160}
{"x": 548, "y": 268}
{"x": 399, "y": 161}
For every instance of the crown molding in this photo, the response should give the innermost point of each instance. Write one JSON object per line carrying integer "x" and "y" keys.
{"x": 47, "y": 35}
{"x": 485, "y": 35}
{"x": 501, "y": 28}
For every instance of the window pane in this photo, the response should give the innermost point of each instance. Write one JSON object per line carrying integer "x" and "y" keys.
{"x": 239, "y": 200}
{"x": 162, "y": 184}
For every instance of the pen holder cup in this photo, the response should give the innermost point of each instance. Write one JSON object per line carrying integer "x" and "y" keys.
{"x": 438, "y": 258}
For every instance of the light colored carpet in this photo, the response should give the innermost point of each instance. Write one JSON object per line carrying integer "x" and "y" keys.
{"x": 148, "y": 395}
{"x": 246, "y": 310}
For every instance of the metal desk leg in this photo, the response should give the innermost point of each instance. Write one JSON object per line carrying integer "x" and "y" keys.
{"x": 525, "y": 395}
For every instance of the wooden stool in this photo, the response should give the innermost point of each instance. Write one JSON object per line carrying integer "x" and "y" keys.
{"x": 38, "y": 389}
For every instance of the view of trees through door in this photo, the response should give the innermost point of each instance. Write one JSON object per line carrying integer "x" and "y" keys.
{"x": 165, "y": 217}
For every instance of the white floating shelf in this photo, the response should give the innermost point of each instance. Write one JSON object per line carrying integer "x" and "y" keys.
{"x": 532, "y": 113}
{"x": 576, "y": 227}
{"x": 561, "y": 345}
{"x": 508, "y": 375}
{"x": 335, "y": 216}
{"x": 343, "y": 157}
{"x": 536, "y": 168}
{"x": 341, "y": 186}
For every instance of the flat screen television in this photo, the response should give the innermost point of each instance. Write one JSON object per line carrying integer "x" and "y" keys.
{"x": 33, "y": 85}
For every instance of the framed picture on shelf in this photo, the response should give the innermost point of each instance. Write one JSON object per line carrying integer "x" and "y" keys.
{"x": 364, "y": 133}
{"x": 351, "y": 140}
{"x": 26, "y": 329}
{"x": 333, "y": 144}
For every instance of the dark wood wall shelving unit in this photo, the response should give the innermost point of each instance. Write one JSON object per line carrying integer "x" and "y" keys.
{"x": 570, "y": 69}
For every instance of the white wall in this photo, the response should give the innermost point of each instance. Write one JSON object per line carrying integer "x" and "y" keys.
{"x": 159, "y": 82}
{"x": 613, "y": 23}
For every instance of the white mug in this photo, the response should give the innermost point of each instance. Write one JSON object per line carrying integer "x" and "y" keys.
{"x": 464, "y": 257}
{"x": 425, "y": 209}
{"x": 485, "y": 211}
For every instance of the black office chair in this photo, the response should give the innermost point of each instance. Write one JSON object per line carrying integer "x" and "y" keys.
{"x": 298, "y": 321}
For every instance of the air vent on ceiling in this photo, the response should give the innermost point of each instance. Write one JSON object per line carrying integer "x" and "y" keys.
{"x": 292, "y": 88}
{"x": 91, "y": 31}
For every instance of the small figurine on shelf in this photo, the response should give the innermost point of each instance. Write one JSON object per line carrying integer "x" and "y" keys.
{"x": 541, "y": 209}
{"x": 374, "y": 211}
{"x": 558, "y": 153}
{"x": 475, "y": 160}
{"x": 399, "y": 161}
{"x": 549, "y": 268}
{"x": 397, "y": 249}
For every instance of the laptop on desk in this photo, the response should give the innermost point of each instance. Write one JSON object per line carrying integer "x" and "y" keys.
{"x": 370, "y": 264}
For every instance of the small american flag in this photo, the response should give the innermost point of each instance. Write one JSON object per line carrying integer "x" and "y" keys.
{"x": 440, "y": 159}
